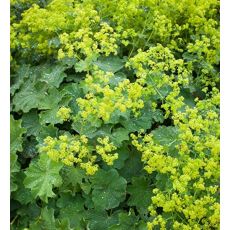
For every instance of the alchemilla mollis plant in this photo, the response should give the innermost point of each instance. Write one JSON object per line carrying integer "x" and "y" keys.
{"x": 115, "y": 115}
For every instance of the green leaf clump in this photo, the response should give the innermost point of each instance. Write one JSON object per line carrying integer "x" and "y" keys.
{"x": 115, "y": 109}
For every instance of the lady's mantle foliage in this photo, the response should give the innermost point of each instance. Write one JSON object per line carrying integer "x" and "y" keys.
{"x": 115, "y": 114}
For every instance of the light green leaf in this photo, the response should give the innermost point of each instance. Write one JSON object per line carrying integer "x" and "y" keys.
{"x": 42, "y": 176}
{"x": 143, "y": 121}
{"x": 14, "y": 169}
{"x": 47, "y": 219}
{"x": 30, "y": 96}
{"x": 51, "y": 98}
{"x": 63, "y": 224}
{"x": 75, "y": 177}
{"x": 81, "y": 66}
{"x": 84, "y": 127}
{"x": 163, "y": 182}
{"x": 158, "y": 115}
{"x": 166, "y": 136}
{"x": 110, "y": 64}
{"x": 50, "y": 116}
{"x": 119, "y": 135}
{"x": 188, "y": 98}
{"x": 53, "y": 75}
{"x": 117, "y": 78}
{"x": 109, "y": 189}
{"x": 16, "y": 132}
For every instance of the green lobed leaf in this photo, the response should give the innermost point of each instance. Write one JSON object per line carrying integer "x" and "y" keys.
{"x": 22, "y": 73}
{"x": 110, "y": 63}
{"x": 84, "y": 127}
{"x": 98, "y": 219}
{"x": 158, "y": 115}
{"x": 29, "y": 148}
{"x": 63, "y": 224}
{"x": 77, "y": 177}
{"x": 140, "y": 193}
{"x": 31, "y": 122}
{"x": 143, "y": 121}
{"x": 29, "y": 97}
{"x": 71, "y": 208}
{"x": 109, "y": 189}
{"x": 166, "y": 136}
{"x": 122, "y": 157}
{"x": 50, "y": 116}
{"x": 48, "y": 130}
{"x": 29, "y": 214}
{"x": 23, "y": 195}
{"x": 16, "y": 132}
{"x": 53, "y": 75}
{"x": 51, "y": 98}
{"x": 47, "y": 219}
{"x": 36, "y": 94}
{"x": 42, "y": 176}
{"x": 82, "y": 65}
{"x": 14, "y": 169}
{"x": 132, "y": 166}
{"x": 126, "y": 221}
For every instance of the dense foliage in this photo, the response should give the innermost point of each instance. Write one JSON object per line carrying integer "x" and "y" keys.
{"x": 114, "y": 114}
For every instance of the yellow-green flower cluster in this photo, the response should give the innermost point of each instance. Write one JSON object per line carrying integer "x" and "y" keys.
{"x": 68, "y": 29}
{"x": 160, "y": 60}
{"x": 64, "y": 113}
{"x": 102, "y": 100}
{"x": 104, "y": 149}
{"x": 76, "y": 150}
{"x": 153, "y": 155}
{"x": 206, "y": 52}
{"x": 193, "y": 199}
{"x": 173, "y": 101}
{"x": 101, "y": 26}
{"x": 160, "y": 68}
{"x": 87, "y": 43}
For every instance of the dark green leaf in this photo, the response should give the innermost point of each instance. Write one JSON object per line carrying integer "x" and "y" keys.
{"x": 22, "y": 73}
{"x": 23, "y": 195}
{"x": 71, "y": 207}
{"x": 132, "y": 166}
{"x": 109, "y": 189}
{"x": 140, "y": 193}
{"x": 126, "y": 221}
{"x": 31, "y": 122}
{"x": 100, "y": 219}
{"x": 48, "y": 130}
